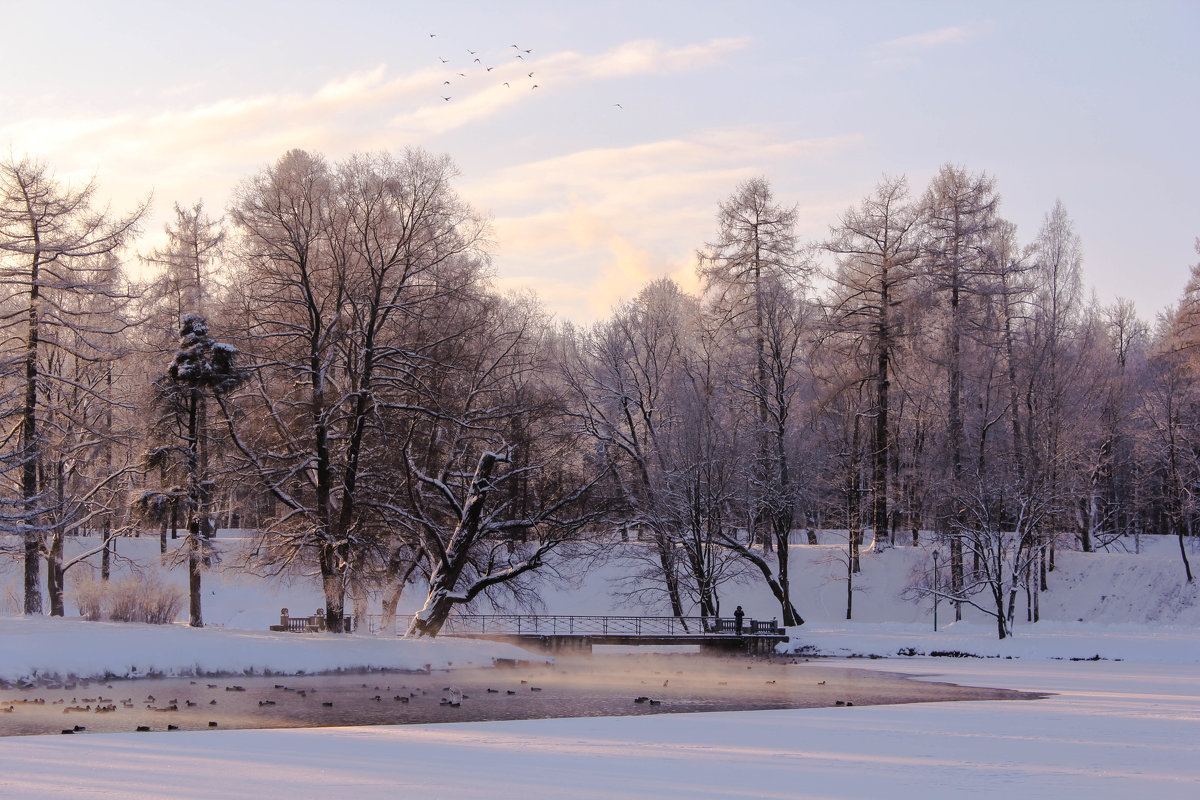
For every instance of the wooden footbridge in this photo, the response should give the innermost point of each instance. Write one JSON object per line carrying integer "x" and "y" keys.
{"x": 580, "y": 632}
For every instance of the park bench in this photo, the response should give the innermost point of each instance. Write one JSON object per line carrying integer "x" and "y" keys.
{"x": 311, "y": 624}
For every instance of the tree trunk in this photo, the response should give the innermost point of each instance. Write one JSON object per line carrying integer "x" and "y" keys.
{"x": 195, "y": 510}
{"x": 54, "y": 574}
{"x": 31, "y": 450}
{"x": 195, "y": 617}
{"x": 849, "y": 587}
{"x": 106, "y": 556}
{"x": 879, "y": 455}
{"x": 1187, "y": 566}
{"x": 333, "y": 584}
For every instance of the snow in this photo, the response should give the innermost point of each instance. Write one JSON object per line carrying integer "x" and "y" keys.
{"x": 39, "y": 648}
{"x": 1116, "y": 730}
{"x": 1046, "y": 641}
{"x": 1122, "y": 726}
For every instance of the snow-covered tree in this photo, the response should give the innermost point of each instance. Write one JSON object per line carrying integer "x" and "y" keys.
{"x": 201, "y": 367}
{"x": 52, "y": 242}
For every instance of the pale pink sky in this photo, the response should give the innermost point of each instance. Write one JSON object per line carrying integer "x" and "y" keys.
{"x": 645, "y": 115}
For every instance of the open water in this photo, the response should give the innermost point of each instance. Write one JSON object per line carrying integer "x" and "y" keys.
{"x": 574, "y": 686}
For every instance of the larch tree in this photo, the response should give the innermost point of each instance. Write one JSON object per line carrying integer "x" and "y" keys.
{"x": 46, "y": 230}
{"x": 182, "y": 284}
{"x": 877, "y": 246}
{"x": 753, "y": 274}
{"x": 960, "y": 214}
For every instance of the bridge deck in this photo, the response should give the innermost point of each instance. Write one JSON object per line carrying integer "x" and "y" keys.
{"x": 580, "y": 632}
{"x": 594, "y": 625}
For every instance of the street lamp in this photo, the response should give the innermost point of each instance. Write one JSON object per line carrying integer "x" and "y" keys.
{"x": 936, "y": 589}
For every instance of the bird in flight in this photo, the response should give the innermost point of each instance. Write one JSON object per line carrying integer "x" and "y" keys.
{"x": 618, "y": 105}
{"x": 489, "y": 69}
{"x": 469, "y": 50}
{"x": 531, "y": 88}
{"x": 445, "y": 83}
{"x": 447, "y": 99}
{"x": 531, "y": 74}
{"x": 476, "y": 61}
{"x": 506, "y": 84}
{"x": 432, "y": 35}
{"x": 443, "y": 60}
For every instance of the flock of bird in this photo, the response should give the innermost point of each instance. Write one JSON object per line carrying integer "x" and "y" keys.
{"x": 267, "y": 698}
{"x": 451, "y": 696}
{"x": 479, "y": 66}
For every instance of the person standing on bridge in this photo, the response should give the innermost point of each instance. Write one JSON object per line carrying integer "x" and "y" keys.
{"x": 738, "y": 615}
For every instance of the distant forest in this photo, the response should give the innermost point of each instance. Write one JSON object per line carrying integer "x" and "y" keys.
{"x": 325, "y": 363}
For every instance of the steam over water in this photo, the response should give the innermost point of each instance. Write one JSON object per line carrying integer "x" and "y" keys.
{"x": 575, "y": 686}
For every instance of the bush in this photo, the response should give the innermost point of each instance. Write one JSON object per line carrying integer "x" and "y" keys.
{"x": 133, "y": 599}
{"x": 90, "y": 594}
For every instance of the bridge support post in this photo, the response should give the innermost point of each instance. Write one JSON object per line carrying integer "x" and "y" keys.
{"x": 560, "y": 644}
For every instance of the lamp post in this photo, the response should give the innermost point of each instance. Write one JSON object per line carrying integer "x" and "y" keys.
{"x": 936, "y": 589}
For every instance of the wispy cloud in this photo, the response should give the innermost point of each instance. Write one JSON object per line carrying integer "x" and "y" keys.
{"x": 923, "y": 41}
{"x": 590, "y": 228}
{"x": 647, "y": 57}
{"x": 907, "y": 50}
{"x": 585, "y": 229}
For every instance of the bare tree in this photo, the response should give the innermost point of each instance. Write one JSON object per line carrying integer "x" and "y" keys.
{"x": 753, "y": 273}
{"x": 877, "y": 247}
{"x": 960, "y": 213}
{"x": 338, "y": 267}
{"x": 46, "y": 230}
{"x": 626, "y": 375}
{"x": 493, "y": 479}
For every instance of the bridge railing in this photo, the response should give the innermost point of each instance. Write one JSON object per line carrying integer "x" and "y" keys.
{"x": 589, "y": 625}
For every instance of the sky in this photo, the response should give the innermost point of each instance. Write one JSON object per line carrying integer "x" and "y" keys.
{"x": 645, "y": 116}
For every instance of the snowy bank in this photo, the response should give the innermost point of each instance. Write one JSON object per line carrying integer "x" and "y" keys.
{"x": 1112, "y": 731}
{"x": 40, "y": 648}
{"x": 1059, "y": 641}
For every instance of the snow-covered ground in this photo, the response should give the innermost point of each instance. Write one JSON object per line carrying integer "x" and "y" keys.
{"x": 42, "y": 649}
{"x": 1114, "y": 730}
{"x": 1122, "y": 726}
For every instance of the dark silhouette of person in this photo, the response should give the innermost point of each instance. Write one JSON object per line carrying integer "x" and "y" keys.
{"x": 738, "y": 614}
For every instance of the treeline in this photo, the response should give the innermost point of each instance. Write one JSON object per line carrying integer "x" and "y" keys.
{"x": 327, "y": 364}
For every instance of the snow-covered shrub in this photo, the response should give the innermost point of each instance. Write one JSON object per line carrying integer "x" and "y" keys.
{"x": 13, "y": 601}
{"x": 161, "y": 603}
{"x": 123, "y": 602}
{"x": 132, "y": 599}
{"x": 144, "y": 599}
{"x": 90, "y": 594}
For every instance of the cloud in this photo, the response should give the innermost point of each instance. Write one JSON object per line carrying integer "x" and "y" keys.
{"x": 589, "y": 229}
{"x": 906, "y": 51}
{"x": 928, "y": 39}
{"x": 584, "y": 228}
{"x": 648, "y": 57}
{"x": 359, "y": 111}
